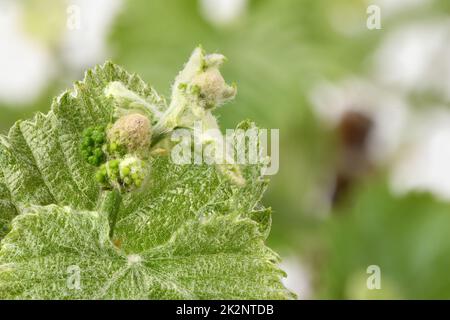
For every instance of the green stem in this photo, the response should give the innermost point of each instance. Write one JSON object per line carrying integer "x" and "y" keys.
{"x": 110, "y": 205}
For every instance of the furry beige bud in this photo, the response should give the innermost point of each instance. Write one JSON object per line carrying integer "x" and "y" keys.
{"x": 212, "y": 87}
{"x": 131, "y": 134}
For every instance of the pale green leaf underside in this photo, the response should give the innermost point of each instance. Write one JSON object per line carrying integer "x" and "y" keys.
{"x": 211, "y": 258}
{"x": 7, "y": 208}
{"x": 198, "y": 235}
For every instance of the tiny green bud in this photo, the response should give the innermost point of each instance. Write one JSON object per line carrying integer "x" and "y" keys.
{"x": 98, "y": 138}
{"x": 102, "y": 169}
{"x": 125, "y": 171}
{"x": 92, "y": 144}
{"x": 133, "y": 172}
{"x": 122, "y": 174}
{"x": 114, "y": 163}
{"x": 113, "y": 146}
{"x": 98, "y": 152}
{"x": 100, "y": 176}
{"x": 138, "y": 182}
{"x": 87, "y": 141}
{"x": 92, "y": 160}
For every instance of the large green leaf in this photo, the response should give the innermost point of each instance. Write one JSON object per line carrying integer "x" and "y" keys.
{"x": 7, "y": 208}
{"x": 188, "y": 233}
{"x": 210, "y": 258}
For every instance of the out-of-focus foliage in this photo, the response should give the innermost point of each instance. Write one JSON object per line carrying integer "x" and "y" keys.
{"x": 406, "y": 237}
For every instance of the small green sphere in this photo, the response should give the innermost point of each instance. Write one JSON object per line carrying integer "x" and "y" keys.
{"x": 113, "y": 147}
{"x": 124, "y": 174}
{"x": 101, "y": 176}
{"x": 125, "y": 171}
{"x": 114, "y": 163}
{"x": 132, "y": 171}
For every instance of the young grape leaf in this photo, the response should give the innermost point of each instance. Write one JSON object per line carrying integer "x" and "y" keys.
{"x": 220, "y": 256}
{"x": 7, "y": 208}
{"x": 188, "y": 233}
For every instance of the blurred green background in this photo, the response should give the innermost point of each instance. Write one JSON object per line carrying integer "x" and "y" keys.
{"x": 341, "y": 202}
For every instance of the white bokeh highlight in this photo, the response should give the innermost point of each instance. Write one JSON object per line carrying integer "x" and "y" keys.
{"x": 416, "y": 57}
{"x": 26, "y": 66}
{"x": 86, "y": 46}
{"x": 298, "y": 278}
{"x": 392, "y": 7}
{"x": 222, "y": 12}
{"x": 423, "y": 164}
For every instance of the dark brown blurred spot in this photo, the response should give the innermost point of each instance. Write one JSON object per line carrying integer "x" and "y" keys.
{"x": 353, "y": 162}
{"x": 354, "y": 129}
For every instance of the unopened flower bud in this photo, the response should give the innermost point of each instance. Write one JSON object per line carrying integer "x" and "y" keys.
{"x": 213, "y": 88}
{"x": 132, "y": 172}
{"x": 131, "y": 134}
{"x": 126, "y": 174}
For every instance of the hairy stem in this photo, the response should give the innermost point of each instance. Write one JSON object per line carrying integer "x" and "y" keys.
{"x": 110, "y": 204}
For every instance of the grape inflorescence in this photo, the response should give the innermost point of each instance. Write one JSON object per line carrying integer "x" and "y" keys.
{"x": 119, "y": 166}
{"x": 91, "y": 147}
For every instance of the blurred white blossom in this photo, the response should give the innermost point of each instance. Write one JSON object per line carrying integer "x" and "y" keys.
{"x": 391, "y": 7}
{"x": 388, "y": 112}
{"x": 222, "y": 12}
{"x": 298, "y": 278}
{"x": 416, "y": 58}
{"x": 28, "y": 62}
{"x": 26, "y": 65}
{"x": 412, "y": 61}
{"x": 86, "y": 46}
{"x": 423, "y": 164}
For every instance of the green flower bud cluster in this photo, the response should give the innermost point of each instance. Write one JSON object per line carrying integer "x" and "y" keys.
{"x": 119, "y": 151}
{"x": 92, "y": 145}
{"x": 126, "y": 174}
{"x": 115, "y": 148}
